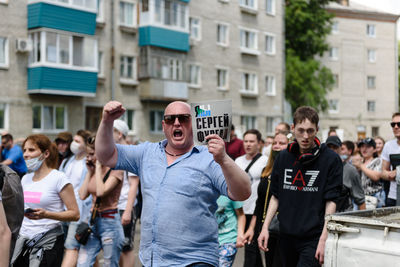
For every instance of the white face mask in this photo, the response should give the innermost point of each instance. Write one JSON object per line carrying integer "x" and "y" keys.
{"x": 34, "y": 164}
{"x": 75, "y": 148}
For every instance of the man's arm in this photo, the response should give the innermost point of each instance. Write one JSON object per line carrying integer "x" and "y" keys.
{"x": 264, "y": 235}
{"x": 106, "y": 151}
{"x": 5, "y": 238}
{"x": 387, "y": 174}
{"x": 7, "y": 162}
{"x": 237, "y": 180}
{"x": 133, "y": 188}
{"x": 330, "y": 208}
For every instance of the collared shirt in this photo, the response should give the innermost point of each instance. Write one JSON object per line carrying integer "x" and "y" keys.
{"x": 16, "y": 155}
{"x": 178, "y": 226}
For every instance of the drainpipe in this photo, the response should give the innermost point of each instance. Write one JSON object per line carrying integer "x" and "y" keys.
{"x": 112, "y": 52}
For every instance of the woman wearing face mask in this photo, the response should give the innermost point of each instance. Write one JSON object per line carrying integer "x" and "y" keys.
{"x": 107, "y": 229}
{"x": 279, "y": 143}
{"x": 75, "y": 169}
{"x": 370, "y": 166}
{"x": 46, "y": 192}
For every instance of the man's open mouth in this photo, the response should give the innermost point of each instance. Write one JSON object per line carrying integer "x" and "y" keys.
{"x": 178, "y": 133}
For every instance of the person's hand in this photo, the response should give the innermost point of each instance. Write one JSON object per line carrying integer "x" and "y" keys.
{"x": 392, "y": 175}
{"x": 240, "y": 241}
{"x": 357, "y": 161}
{"x": 248, "y": 236}
{"x": 216, "y": 146}
{"x": 89, "y": 166}
{"x": 37, "y": 214}
{"x": 98, "y": 166}
{"x": 263, "y": 239}
{"x": 112, "y": 111}
{"x": 319, "y": 254}
{"x": 126, "y": 217}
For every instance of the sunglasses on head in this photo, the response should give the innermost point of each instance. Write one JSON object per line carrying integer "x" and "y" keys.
{"x": 91, "y": 140}
{"x": 183, "y": 118}
{"x": 394, "y": 124}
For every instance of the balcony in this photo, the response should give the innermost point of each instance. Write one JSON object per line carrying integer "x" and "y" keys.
{"x": 57, "y": 81}
{"x": 163, "y": 90}
{"x": 61, "y": 17}
{"x": 164, "y": 38}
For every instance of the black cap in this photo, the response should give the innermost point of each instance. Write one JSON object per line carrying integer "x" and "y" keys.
{"x": 367, "y": 141}
{"x": 334, "y": 140}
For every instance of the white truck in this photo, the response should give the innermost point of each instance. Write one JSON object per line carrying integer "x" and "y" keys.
{"x": 369, "y": 238}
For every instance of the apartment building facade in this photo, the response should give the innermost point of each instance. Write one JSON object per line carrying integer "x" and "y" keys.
{"x": 62, "y": 60}
{"x": 363, "y": 59}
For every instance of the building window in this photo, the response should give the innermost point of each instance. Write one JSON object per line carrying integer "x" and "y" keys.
{"x": 64, "y": 50}
{"x": 271, "y": 123}
{"x": 3, "y": 52}
{"x": 270, "y": 7}
{"x": 371, "y": 55}
{"x": 371, "y": 106}
{"x": 49, "y": 117}
{"x": 222, "y": 79}
{"x": 156, "y": 117}
{"x": 222, "y": 34}
{"x": 100, "y": 11}
{"x": 249, "y": 83}
{"x": 269, "y": 44}
{"x": 3, "y": 116}
{"x": 128, "y": 68}
{"x": 166, "y": 68}
{"x": 334, "y": 53}
{"x": 175, "y": 69}
{"x": 248, "y": 41}
{"x": 171, "y": 13}
{"x": 248, "y": 122}
{"x": 333, "y": 106}
{"x": 194, "y": 75}
{"x": 100, "y": 64}
{"x": 374, "y": 131}
{"x": 335, "y": 80}
{"x": 127, "y": 14}
{"x": 371, "y": 82}
{"x": 270, "y": 88}
{"x": 335, "y": 27}
{"x": 195, "y": 29}
{"x": 129, "y": 118}
{"x": 251, "y": 4}
{"x": 371, "y": 30}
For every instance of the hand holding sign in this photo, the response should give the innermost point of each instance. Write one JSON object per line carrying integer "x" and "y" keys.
{"x": 216, "y": 146}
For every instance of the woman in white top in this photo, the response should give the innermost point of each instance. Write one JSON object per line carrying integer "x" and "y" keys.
{"x": 46, "y": 191}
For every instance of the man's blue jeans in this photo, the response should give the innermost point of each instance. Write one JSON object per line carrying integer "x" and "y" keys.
{"x": 107, "y": 235}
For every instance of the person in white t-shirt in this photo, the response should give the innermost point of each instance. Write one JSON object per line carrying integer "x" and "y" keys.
{"x": 5, "y": 236}
{"x": 390, "y": 159}
{"x": 126, "y": 200}
{"x": 46, "y": 192}
{"x": 75, "y": 169}
{"x": 252, "y": 144}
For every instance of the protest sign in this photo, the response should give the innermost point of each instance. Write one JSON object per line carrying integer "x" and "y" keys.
{"x": 211, "y": 117}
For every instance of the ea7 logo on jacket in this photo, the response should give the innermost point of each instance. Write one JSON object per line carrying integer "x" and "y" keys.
{"x": 298, "y": 182}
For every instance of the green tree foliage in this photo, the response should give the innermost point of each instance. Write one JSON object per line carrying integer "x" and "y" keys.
{"x": 307, "y": 24}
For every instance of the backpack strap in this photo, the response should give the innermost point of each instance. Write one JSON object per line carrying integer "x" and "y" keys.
{"x": 252, "y": 162}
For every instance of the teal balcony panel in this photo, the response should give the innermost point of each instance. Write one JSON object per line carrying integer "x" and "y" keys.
{"x": 164, "y": 38}
{"x": 55, "y": 81}
{"x": 185, "y": 1}
{"x": 61, "y": 18}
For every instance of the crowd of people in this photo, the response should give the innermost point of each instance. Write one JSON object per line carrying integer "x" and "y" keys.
{"x": 200, "y": 203}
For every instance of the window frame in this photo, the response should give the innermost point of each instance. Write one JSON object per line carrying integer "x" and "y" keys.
{"x": 246, "y": 118}
{"x": 134, "y": 15}
{"x": 273, "y": 91}
{"x": 373, "y": 102}
{"x": 156, "y": 111}
{"x": 273, "y": 36}
{"x": 198, "y": 66}
{"x": 371, "y": 55}
{"x": 224, "y": 24}
{"x": 370, "y": 33}
{"x": 100, "y": 64}
{"x": 226, "y": 70}
{"x": 334, "y": 56}
{"x": 6, "y": 63}
{"x": 125, "y": 118}
{"x": 371, "y": 78}
{"x": 123, "y": 59}
{"x": 248, "y": 50}
{"x": 69, "y": 4}
{"x": 330, "y": 105}
{"x": 242, "y": 4}
{"x": 273, "y": 7}
{"x": 198, "y": 26}
{"x": 54, "y": 129}
{"x": 335, "y": 27}
{"x": 100, "y": 11}
{"x": 245, "y": 91}
{"x": 6, "y": 116}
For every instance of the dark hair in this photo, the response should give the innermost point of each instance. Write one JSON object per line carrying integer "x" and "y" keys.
{"x": 287, "y": 126}
{"x": 232, "y": 127}
{"x": 90, "y": 142}
{"x": 306, "y": 112}
{"x": 44, "y": 143}
{"x": 7, "y": 137}
{"x": 84, "y": 134}
{"x": 350, "y": 145}
{"x": 395, "y": 114}
{"x": 253, "y": 131}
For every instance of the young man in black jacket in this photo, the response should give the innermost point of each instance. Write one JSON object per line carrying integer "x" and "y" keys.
{"x": 306, "y": 180}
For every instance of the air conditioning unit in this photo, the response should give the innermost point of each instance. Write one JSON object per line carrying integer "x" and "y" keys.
{"x": 24, "y": 45}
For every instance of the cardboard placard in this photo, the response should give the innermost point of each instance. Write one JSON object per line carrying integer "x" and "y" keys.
{"x": 211, "y": 117}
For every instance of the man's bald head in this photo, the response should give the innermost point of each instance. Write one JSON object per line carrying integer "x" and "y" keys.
{"x": 177, "y": 107}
